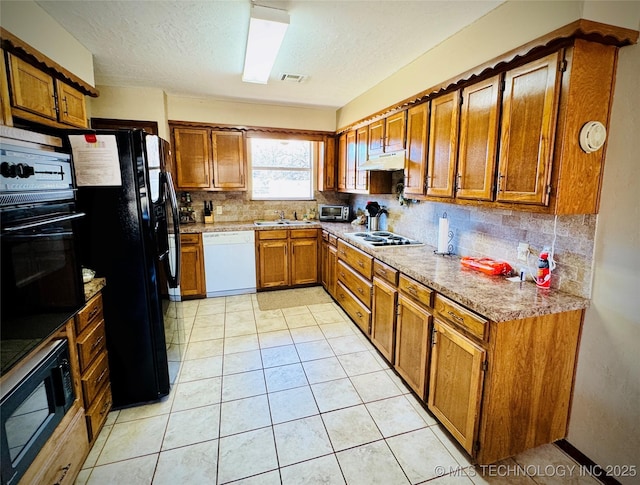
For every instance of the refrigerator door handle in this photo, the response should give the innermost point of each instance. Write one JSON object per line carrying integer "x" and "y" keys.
{"x": 173, "y": 279}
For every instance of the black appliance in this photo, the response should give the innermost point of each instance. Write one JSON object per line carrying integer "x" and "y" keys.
{"x": 35, "y": 397}
{"x": 125, "y": 238}
{"x": 41, "y": 274}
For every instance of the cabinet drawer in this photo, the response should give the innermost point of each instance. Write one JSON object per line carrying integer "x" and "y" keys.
{"x": 333, "y": 240}
{"x": 98, "y": 412}
{"x": 90, "y": 344}
{"x": 358, "y": 260}
{"x": 460, "y": 316}
{"x": 190, "y": 238}
{"x": 354, "y": 308}
{"x": 94, "y": 379}
{"x": 385, "y": 272}
{"x": 417, "y": 291}
{"x": 92, "y": 312}
{"x": 355, "y": 283}
{"x": 265, "y": 235}
{"x": 303, "y": 233}
{"x": 325, "y": 236}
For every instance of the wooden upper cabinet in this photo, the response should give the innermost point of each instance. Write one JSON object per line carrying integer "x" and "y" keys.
{"x": 529, "y": 109}
{"x": 229, "y": 162}
{"x": 416, "y": 155}
{"x": 362, "y": 176}
{"x": 193, "y": 158}
{"x": 327, "y": 165}
{"x": 342, "y": 162}
{"x": 376, "y": 137}
{"x": 37, "y": 96}
{"x": 477, "y": 154}
{"x": 395, "y": 132}
{"x": 72, "y": 106}
{"x": 443, "y": 144}
{"x": 32, "y": 89}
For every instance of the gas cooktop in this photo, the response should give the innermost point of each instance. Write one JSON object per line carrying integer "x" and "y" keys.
{"x": 377, "y": 239}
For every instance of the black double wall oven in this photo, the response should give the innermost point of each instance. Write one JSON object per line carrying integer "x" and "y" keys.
{"x": 41, "y": 289}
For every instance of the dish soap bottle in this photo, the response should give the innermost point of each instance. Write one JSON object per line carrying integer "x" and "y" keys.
{"x": 543, "y": 278}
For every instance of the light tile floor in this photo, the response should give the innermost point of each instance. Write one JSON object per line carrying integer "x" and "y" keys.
{"x": 291, "y": 396}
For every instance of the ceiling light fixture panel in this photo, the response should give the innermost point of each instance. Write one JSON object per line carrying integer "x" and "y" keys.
{"x": 267, "y": 27}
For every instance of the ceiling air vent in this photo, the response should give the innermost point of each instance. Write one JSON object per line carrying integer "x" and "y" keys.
{"x": 292, "y": 78}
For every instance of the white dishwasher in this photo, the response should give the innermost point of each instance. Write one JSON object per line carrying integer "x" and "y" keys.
{"x": 229, "y": 262}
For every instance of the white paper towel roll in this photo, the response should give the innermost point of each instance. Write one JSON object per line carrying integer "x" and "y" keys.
{"x": 443, "y": 235}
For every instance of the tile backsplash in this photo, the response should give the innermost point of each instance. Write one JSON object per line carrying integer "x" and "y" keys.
{"x": 238, "y": 206}
{"x": 496, "y": 233}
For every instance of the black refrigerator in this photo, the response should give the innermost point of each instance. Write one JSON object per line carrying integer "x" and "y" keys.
{"x": 125, "y": 239}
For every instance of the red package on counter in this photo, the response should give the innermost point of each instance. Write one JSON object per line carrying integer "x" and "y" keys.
{"x": 486, "y": 265}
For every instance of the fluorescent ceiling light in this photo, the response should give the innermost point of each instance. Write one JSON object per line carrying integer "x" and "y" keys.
{"x": 266, "y": 31}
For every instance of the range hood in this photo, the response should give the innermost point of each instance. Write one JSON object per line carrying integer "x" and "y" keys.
{"x": 385, "y": 161}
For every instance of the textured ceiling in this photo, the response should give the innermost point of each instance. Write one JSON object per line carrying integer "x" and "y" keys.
{"x": 196, "y": 48}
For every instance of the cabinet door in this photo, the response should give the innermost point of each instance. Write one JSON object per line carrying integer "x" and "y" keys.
{"x": 192, "y": 282}
{"x": 228, "y": 160}
{"x": 443, "y": 144}
{"x": 412, "y": 344}
{"x": 72, "y": 105}
{"x": 394, "y": 132}
{"x": 273, "y": 263}
{"x": 342, "y": 162}
{"x": 376, "y": 137}
{"x": 362, "y": 176}
{"x": 324, "y": 258}
{"x": 455, "y": 384}
{"x": 478, "y": 140}
{"x": 529, "y": 109}
{"x": 193, "y": 158}
{"x": 332, "y": 262}
{"x": 31, "y": 89}
{"x": 5, "y": 103}
{"x": 327, "y": 165}
{"x": 383, "y": 325}
{"x": 304, "y": 261}
{"x": 416, "y": 158}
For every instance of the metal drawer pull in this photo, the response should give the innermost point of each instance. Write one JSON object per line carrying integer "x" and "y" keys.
{"x": 361, "y": 291}
{"x": 361, "y": 264}
{"x": 382, "y": 272}
{"x": 412, "y": 290}
{"x": 359, "y": 314}
{"x": 99, "y": 379}
{"x": 105, "y": 407}
{"x": 97, "y": 342}
{"x": 455, "y": 317}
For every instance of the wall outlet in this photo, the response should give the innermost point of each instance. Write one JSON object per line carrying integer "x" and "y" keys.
{"x": 219, "y": 210}
{"x": 523, "y": 251}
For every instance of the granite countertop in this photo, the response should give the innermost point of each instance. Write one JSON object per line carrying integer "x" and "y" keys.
{"x": 199, "y": 227}
{"x": 93, "y": 287}
{"x": 491, "y": 296}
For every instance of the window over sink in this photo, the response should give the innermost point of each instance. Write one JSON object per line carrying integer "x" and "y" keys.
{"x": 282, "y": 168}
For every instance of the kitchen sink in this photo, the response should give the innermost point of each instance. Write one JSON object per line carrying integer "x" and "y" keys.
{"x": 284, "y": 222}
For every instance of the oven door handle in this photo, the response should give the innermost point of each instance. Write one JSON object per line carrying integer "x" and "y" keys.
{"x": 45, "y": 222}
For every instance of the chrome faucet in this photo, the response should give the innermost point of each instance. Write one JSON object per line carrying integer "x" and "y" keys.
{"x": 280, "y": 214}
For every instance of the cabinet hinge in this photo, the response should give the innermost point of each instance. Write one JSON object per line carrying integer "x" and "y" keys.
{"x": 371, "y": 292}
{"x": 476, "y": 446}
{"x": 563, "y": 65}
{"x": 549, "y": 189}
{"x": 485, "y": 366}
{"x": 433, "y": 336}
{"x": 503, "y": 85}
{"x": 461, "y": 100}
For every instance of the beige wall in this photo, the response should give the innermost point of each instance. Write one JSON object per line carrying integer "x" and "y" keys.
{"x": 509, "y": 26}
{"x": 145, "y": 104}
{"x": 253, "y": 114}
{"x": 26, "y": 20}
{"x": 605, "y": 418}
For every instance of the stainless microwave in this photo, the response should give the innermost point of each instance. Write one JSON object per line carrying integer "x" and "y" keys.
{"x": 335, "y": 213}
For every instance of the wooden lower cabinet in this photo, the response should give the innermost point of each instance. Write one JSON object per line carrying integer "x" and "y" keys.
{"x": 455, "y": 383}
{"x": 412, "y": 344}
{"x": 383, "y": 318}
{"x": 287, "y": 257}
{"x": 61, "y": 458}
{"x": 93, "y": 365}
{"x": 192, "y": 282}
